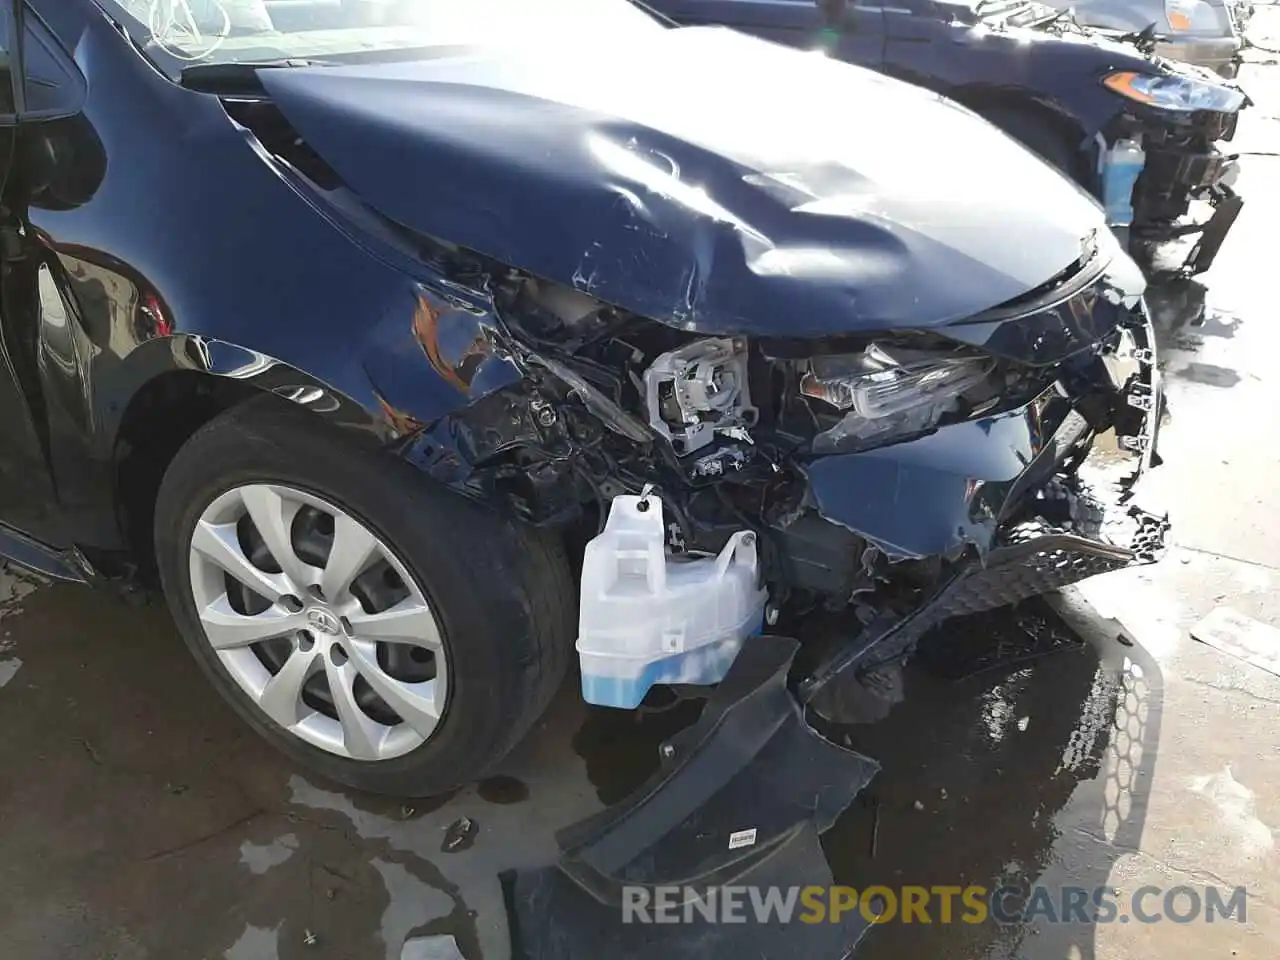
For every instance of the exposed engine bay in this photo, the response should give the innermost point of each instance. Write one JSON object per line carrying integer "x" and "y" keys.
{"x": 882, "y": 415}
{"x": 1183, "y": 165}
{"x": 1182, "y": 204}
{"x": 819, "y": 450}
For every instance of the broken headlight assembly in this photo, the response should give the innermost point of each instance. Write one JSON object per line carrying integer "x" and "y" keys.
{"x": 886, "y": 392}
{"x": 699, "y": 392}
{"x": 1170, "y": 92}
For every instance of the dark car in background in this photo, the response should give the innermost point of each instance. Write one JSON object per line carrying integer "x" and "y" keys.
{"x": 1208, "y": 33}
{"x": 1138, "y": 132}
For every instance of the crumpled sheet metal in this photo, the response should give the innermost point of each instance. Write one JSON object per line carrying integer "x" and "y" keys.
{"x": 740, "y": 206}
{"x": 956, "y": 481}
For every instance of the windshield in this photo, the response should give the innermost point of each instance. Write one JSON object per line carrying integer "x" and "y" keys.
{"x": 232, "y": 31}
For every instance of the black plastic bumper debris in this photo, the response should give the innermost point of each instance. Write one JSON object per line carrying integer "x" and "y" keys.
{"x": 739, "y": 800}
{"x": 738, "y": 784}
{"x": 552, "y": 918}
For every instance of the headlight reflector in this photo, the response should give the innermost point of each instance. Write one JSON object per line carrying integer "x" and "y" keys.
{"x": 888, "y": 391}
{"x": 1174, "y": 93}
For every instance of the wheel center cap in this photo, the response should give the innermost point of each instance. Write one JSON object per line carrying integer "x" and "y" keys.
{"x": 324, "y": 621}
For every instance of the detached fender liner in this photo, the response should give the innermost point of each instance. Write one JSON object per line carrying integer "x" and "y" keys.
{"x": 551, "y": 918}
{"x": 739, "y": 800}
{"x": 706, "y": 817}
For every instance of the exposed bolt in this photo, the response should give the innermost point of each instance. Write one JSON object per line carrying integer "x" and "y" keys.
{"x": 545, "y": 413}
{"x": 748, "y": 539}
{"x": 667, "y": 751}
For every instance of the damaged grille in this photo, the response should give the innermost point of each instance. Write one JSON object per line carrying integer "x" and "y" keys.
{"x": 1194, "y": 171}
{"x": 1043, "y": 553}
{"x": 1034, "y": 556}
{"x": 1043, "y": 562}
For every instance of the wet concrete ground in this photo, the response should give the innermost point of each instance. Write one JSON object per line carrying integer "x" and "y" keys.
{"x": 140, "y": 819}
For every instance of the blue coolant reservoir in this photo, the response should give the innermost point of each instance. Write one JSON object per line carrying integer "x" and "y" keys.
{"x": 1120, "y": 168}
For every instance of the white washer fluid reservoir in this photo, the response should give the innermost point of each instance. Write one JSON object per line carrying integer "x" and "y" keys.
{"x": 650, "y": 617}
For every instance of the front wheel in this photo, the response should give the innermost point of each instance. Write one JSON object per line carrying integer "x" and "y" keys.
{"x": 381, "y": 631}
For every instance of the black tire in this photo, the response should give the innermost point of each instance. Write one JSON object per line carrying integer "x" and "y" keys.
{"x": 1038, "y": 133}
{"x": 501, "y": 592}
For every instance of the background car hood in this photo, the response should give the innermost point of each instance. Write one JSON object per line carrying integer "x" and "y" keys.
{"x": 702, "y": 178}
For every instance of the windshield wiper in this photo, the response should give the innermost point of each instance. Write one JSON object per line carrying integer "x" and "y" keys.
{"x": 1144, "y": 39}
{"x": 237, "y": 77}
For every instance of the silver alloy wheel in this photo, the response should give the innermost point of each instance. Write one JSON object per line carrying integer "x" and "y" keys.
{"x": 321, "y": 633}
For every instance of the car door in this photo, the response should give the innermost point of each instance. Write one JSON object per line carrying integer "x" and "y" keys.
{"x": 27, "y": 499}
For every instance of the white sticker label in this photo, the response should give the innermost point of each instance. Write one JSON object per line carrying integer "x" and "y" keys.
{"x": 742, "y": 838}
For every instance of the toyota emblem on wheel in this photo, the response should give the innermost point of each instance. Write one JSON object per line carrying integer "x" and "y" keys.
{"x": 324, "y": 621}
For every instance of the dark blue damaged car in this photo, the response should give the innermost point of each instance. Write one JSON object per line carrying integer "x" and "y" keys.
{"x": 1143, "y": 134}
{"x": 343, "y": 324}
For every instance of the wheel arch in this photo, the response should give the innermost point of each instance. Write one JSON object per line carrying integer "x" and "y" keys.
{"x": 175, "y": 386}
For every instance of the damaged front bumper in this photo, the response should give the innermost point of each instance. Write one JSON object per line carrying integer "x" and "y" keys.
{"x": 1207, "y": 176}
{"x": 1022, "y": 503}
{"x": 1183, "y": 165}
{"x": 1018, "y": 505}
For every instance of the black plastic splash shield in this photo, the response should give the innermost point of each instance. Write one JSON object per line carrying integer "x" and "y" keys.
{"x": 1227, "y": 207}
{"x": 749, "y": 779}
{"x": 551, "y": 918}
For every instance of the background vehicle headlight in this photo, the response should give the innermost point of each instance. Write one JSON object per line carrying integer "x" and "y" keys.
{"x": 1174, "y": 93}
{"x": 888, "y": 391}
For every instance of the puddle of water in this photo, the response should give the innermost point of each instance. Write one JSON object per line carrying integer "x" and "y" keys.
{"x": 412, "y": 904}
{"x": 256, "y": 943}
{"x": 976, "y": 776}
{"x": 361, "y": 874}
{"x": 620, "y": 747}
{"x": 260, "y": 858}
{"x": 503, "y": 790}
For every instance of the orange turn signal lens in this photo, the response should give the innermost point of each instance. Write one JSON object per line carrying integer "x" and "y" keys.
{"x": 1124, "y": 83}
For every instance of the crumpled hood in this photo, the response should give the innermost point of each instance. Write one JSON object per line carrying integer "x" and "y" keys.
{"x": 702, "y": 178}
